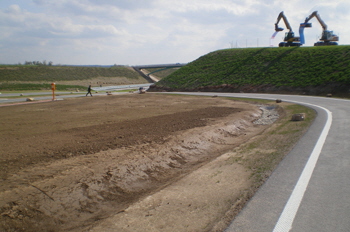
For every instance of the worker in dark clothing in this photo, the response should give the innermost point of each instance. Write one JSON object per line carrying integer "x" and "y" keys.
{"x": 89, "y": 91}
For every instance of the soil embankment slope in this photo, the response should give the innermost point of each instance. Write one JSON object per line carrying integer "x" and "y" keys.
{"x": 69, "y": 163}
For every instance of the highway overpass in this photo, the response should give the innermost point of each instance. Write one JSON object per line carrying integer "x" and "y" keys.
{"x": 160, "y": 67}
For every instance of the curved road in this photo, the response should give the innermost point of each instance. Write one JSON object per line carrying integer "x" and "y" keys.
{"x": 60, "y": 95}
{"x": 310, "y": 189}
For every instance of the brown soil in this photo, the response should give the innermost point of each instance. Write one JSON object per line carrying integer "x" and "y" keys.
{"x": 132, "y": 162}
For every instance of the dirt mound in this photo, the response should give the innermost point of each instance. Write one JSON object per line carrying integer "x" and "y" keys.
{"x": 71, "y": 163}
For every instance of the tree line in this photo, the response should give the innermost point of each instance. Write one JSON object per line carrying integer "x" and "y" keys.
{"x": 38, "y": 63}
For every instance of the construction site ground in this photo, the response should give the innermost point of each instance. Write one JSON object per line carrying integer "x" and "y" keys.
{"x": 129, "y": 162}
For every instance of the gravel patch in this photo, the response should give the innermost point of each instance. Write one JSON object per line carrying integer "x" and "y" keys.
{"x": 269, "y": 115}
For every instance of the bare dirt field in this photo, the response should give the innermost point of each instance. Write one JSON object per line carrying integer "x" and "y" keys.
{"x": 131, "y": 162}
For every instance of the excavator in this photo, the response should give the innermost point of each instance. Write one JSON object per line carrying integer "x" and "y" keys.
{"x": 327, "y": 37}
{"x": 289, "y": 40}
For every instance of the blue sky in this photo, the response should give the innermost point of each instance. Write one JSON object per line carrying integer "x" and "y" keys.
{"x": 134, "y": 32}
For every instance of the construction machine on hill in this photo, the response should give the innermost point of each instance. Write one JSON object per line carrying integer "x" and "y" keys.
{"x": 289, "y": 40}
{"x": 327, "y": 37}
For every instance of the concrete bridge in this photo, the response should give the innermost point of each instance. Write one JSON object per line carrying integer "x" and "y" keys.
{"x": 160, "y": 67}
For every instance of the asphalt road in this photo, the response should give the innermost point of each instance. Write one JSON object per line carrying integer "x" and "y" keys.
{"x": 310, "y": 189}
{"x": 59, "y": 95}
{"x": 42, "y": 96}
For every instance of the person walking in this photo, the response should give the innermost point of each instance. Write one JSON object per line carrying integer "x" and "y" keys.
{"x": 89, "y": 91}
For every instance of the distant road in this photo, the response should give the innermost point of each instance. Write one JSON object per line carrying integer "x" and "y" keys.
{"x": 39, "y": 96}
{"x": 7, "y": 98}
{"x": 310, "y": 189}
{"x": 121, "y": 87}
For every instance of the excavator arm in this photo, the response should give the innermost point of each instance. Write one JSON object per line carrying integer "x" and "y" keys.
{"x": 282, "y": 16}
{"x": 315, "y": 14}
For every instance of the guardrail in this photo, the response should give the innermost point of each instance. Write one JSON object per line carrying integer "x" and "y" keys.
{"x": 159, "y": 65}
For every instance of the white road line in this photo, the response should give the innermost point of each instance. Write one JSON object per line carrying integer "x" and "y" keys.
{"x": 286, "y": 219}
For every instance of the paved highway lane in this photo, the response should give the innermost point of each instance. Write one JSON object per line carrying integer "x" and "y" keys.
{"x": 310, "y": 189}
{"x": 59, "y": 95}
{"x": 47, "y": 98}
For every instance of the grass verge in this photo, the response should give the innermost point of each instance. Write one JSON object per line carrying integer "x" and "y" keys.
{"x": 261, "y": 155}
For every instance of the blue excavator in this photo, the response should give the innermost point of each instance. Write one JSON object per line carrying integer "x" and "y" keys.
{"x": 327, "y": 37}
{"x": 290, "y": 40}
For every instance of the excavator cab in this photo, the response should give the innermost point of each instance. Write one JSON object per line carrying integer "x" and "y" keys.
{"x": 289, "y": 37}
{"x": 329, "y": 36}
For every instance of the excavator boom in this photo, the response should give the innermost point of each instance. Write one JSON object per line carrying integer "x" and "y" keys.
{"x": 315, "y": 14}
{"x": 282, "y": 16}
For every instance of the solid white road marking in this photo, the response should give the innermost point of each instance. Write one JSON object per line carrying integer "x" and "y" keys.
{"x": 286, "y": 219}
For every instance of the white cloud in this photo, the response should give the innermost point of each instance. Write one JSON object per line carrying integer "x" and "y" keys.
{"x": 154, "y": 31}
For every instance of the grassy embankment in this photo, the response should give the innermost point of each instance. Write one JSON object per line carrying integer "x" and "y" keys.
{"x": 261, "y": 155}
{"x": 299, "y": 69}
{"x": 67, "y": 78}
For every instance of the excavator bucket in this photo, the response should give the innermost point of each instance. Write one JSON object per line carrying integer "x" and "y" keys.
{"x": 306, "y": 24}
{"x": 278, "y": 28}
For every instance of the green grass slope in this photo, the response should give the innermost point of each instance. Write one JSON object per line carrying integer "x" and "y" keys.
{"x": 60, "y": 73}
{"x": 33, "y": 77}
{"x": 265, "y": 69}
